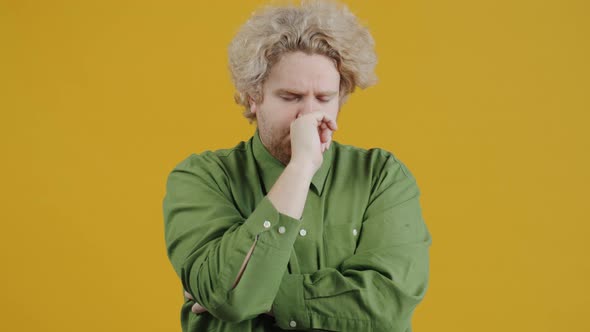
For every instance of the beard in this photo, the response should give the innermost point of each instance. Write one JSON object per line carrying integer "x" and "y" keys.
{"x": 275, "y": 138}
{"x": 280, "y": 148}
{"x": 277, "y": 143}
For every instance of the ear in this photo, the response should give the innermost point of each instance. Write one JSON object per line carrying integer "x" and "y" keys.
{"x": 253, "y": 106}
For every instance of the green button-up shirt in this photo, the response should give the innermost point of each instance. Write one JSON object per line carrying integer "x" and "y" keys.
{"x": 357, "y": 260}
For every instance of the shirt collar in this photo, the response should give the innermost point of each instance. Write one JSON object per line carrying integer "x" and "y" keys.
{"x": 271, "y": 168}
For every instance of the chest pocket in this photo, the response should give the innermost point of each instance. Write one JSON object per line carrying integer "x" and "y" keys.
{"x": 340, "y": 243}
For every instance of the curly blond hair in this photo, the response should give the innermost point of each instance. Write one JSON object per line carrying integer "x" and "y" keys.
{"x": 315, "y": 27}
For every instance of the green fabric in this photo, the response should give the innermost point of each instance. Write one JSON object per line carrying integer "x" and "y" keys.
{"x": 362, "y": 265}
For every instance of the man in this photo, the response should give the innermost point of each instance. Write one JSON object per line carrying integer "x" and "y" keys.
{"x": 291, "y": 230}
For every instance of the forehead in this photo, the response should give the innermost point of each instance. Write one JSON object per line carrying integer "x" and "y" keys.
{"x": 302, "y": 71}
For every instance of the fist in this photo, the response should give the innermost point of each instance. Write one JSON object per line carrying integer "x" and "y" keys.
{"x": 311, "y": 135}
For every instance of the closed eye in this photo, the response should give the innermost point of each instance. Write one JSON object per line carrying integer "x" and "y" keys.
{"x": 290, "y": 98}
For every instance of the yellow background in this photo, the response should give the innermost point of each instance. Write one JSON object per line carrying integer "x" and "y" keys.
{"x": 486, "y": 102}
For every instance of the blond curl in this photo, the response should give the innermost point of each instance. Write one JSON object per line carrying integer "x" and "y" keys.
{"x": 315, "y": 27}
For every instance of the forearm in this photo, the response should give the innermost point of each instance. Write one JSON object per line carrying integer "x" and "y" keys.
{"x": 288, "y": 196}
{"x": 378, "y": 287}
{"x": 289, "y": 193}
{"x": 259, "y": 274}
{"x": 208, "y": 240}
{"x": 228, "y": 288}
{"x": 362, "y": 297}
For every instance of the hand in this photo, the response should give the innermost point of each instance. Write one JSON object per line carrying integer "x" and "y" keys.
{"x": 198, "y": 309}
{"x": 311, "y": 135}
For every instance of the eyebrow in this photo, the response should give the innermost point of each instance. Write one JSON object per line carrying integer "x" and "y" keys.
{"x": 294, "y": 92}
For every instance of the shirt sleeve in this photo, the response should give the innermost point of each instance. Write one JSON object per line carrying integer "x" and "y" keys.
{"x": 377, "y": 288}
{"x": 207, "y": 240}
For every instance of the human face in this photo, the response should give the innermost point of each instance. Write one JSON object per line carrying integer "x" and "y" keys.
{"x": 297, "y": 84}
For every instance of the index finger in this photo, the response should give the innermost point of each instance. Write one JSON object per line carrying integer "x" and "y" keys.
{"x": 322, "y": 117}
{"x": 188, "y": 295}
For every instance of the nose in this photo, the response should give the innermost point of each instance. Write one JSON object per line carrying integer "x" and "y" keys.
{"x": 307, "y": 106}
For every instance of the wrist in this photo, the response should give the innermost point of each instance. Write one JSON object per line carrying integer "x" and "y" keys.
{"x": 304, "y": 169}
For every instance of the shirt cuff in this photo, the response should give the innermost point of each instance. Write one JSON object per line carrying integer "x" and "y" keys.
{"x": 275, "y": 231}
{"x": 273, "y": 228}
{"x": 288, "y": 307}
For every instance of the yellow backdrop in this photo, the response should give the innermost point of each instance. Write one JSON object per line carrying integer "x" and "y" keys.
{"x": 486, "y": 102}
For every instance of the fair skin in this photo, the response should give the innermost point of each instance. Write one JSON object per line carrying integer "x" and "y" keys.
{"x": 295, "y": 120}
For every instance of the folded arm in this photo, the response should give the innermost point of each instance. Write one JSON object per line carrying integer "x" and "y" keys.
{"x": 229, "y": 264}
{"x": 377, "y": 288}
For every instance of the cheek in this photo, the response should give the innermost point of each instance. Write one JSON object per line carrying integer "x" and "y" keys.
{"x": 279, "y": 124}
{"x": 332, "y": 109}
{"x": 283, "y": 121}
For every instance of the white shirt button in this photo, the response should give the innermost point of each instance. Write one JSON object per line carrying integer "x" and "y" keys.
{"x": 282, "y": 229}
{"x": 292, "y": 323}
{"x": 354, "y": 232}
{"x": 303, "y": 232}
{"x": 266, "y": 224}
